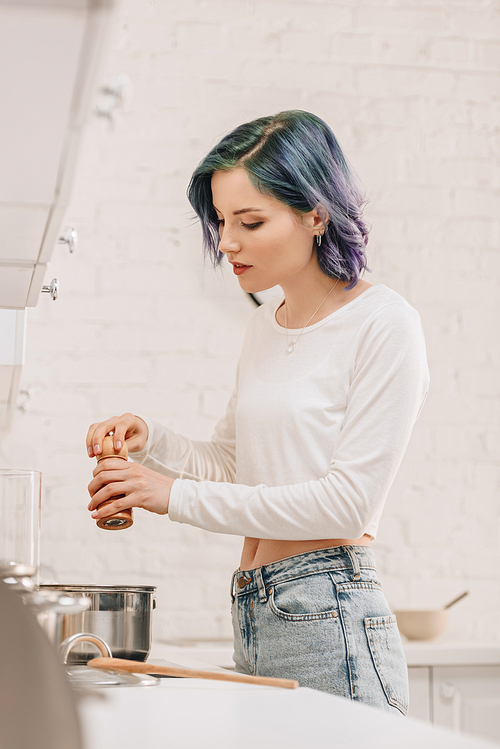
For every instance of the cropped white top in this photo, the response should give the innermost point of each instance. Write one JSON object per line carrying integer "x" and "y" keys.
{"x": 310, "y": 442}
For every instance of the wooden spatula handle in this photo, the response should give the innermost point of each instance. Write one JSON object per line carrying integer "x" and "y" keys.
{"x": 123, "y": 519}
{"x": 135, "y": 667}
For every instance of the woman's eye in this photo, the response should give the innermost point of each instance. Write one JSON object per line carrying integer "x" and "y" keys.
{"x": 220, "y": 223}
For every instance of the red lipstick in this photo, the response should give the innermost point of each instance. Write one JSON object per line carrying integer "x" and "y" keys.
{"x": 238, "y": 269}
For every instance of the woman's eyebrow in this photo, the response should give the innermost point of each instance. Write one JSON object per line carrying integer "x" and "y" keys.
{"x": 247, "y": 210}
{"x": 243, "y": 210}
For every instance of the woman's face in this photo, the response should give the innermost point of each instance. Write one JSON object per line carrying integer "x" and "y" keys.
{"x": 264, "y": 240}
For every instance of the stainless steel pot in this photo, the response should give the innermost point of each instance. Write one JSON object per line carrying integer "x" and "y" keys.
{"x": 119, "y": 615}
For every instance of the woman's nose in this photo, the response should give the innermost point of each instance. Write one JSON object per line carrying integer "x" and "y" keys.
{"x": 227, "y": 242}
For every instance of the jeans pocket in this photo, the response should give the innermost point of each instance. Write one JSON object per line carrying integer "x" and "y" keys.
{"x": 305, "y": 598}
{"x": 388, "y": 658}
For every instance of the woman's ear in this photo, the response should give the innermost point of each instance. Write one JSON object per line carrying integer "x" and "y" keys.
{"x": 317, "y": 217}
{"x": 322, "y": 215}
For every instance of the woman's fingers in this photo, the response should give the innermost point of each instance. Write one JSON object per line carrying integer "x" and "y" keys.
{"x": 112, "y": 480}
{"x": 134, "y": 484}
{"x": 90, "y": 439}
{"x": 110, "y": 506}
{"x": 120, "y": 430}
{"x": 104, "y": 486}
{"x": 109, "y": 492}
{"x": 114, "y": 465}
{"x": 133, "y": 430}
{"x": 96, "y": 434}
{"x": 126, "y": 428}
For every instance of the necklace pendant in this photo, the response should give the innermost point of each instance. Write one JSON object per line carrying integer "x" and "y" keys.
{"x": 290, "y": 348}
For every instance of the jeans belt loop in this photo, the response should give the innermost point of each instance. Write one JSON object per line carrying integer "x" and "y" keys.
{"x": 260, "y": 585}
{"x": 356, "y": 570}
{"x": 231, "y": 592}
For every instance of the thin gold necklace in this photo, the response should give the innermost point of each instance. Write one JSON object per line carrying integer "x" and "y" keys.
{"x": 291, "y": 345}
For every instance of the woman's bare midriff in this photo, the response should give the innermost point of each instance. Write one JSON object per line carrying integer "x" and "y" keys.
{"x": 258, "y": 552}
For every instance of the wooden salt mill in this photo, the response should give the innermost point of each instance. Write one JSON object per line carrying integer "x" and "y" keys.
{"x": 122, "y": 519}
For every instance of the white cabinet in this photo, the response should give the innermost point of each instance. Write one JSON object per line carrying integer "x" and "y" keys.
{"x": 456, "y": 688}
{"x": 467, "y": 698}
{"x": 49, "y": 59}
{"x": 420, "y": 693}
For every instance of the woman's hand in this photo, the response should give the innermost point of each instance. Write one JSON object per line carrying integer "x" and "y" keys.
{"x": 132, "y": 484}
{"x": 126, "y": 428}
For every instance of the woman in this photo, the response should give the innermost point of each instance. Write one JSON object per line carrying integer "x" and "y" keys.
{"x": 330, "y": 381}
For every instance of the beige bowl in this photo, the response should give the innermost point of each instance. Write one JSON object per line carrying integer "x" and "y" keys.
{"x": 422, "y": 625}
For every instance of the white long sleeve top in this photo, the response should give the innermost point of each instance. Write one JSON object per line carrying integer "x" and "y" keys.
{"x": 310, "y": 442}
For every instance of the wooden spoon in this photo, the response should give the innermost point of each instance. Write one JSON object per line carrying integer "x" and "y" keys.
{"x": 120, "y": 664}
{"x": 123, "y": 519}
{"x": 456, "y": 600}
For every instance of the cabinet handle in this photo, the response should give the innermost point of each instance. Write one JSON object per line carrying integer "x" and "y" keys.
{"x": 70, "y": 238}
{"x": 113, "y": 97}
{"x": 447, "y": 690}
{"x": 53, "y": 289}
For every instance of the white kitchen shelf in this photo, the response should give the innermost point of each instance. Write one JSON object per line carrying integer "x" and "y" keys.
{"x": 219, "y": 652}
{"x": 451, "y": 653}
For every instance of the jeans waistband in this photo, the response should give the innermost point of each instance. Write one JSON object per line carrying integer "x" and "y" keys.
{"x": 351, "y": 558}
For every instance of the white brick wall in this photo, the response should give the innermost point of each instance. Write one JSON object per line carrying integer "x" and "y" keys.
{"x": 411, "y": 90}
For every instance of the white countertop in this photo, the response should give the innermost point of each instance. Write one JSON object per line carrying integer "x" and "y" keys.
{"x": 191, "y": 713}
{"x": 194, "y": 713}
{"x": 419, "y": 653}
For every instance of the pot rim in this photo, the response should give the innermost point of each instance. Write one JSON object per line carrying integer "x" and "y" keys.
{"x": 100, "y": 588}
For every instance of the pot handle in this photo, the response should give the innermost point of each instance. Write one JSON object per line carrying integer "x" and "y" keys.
{"x": 68, "y": 644}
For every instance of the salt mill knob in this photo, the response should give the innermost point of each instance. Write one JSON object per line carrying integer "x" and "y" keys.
{"x": 123, "y": 519}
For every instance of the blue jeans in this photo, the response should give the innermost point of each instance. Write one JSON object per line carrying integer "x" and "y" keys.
{"x": 321, "y": 618}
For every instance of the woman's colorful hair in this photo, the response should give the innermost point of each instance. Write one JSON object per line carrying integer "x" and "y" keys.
{"x": 294, "y": 157}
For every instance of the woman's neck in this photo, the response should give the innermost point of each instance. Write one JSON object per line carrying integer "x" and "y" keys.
{"x": 303, "y": 299}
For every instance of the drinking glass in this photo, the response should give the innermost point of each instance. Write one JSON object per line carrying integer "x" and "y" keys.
{"x": 20, "y": 499}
